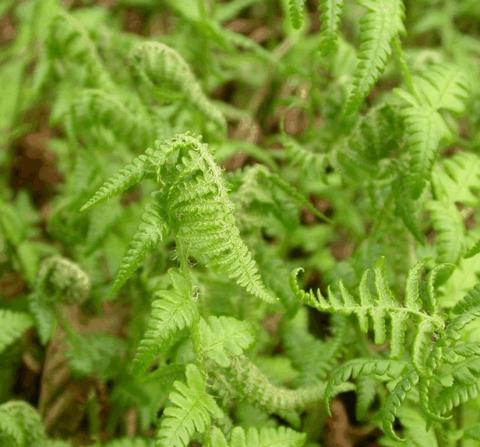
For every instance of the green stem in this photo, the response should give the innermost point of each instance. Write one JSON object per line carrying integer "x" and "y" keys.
{"x": 406, "y": 75}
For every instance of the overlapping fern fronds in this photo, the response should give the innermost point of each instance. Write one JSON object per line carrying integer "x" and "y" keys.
{"x": 194, "y": 206}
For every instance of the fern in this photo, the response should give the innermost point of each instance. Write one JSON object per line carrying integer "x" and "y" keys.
{"x": 223, "y": 337}
{"x": 96, "y": 108}
{"x": 58, "y": 280}
{"x": 382, "y": 22}
{"x": 198, "y": 209}
{"x": 330, "y": 17}
{"x": 380, "y": 308}
{"x": 172, "y": 311}
{"x": 448, "y": 225}
{"x": 159, "y": 66}
{"x": 254, "y": 437}
{"x": 296, "y": 12}
{"x": 191, "y": 411}
{"x": 20, "y": 425}
{"x": 441, "y": 87}
{"x": 13, "y": 325}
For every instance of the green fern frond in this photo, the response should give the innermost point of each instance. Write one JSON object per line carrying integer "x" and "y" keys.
{"x": 20, "y": 425}
{"x": 330, "y": 18}
{"x": 425, "y": 130}
{"x": 69, "y": 41}
{"x": 449, "y": 229}
{"x": 194, "y": 199}
{"x": 127, "y": 177}
{"x": 172, "y": 311}
{"x": 456, "y": 179}
{"x": 59, "y": 280}
{"x": 13, "y": 325}
{"x": 97, "y": 108}
{"x": 253, "y": 386}
{"x": 464, "y": 312}
{"x": 296, "y": 12}
{"x": 395, "y": 400}
{"x": 381, "y": 23}
{"x": 440, "y": 87}
{"x": 191, "y": 411}
{"x": 257, "y": 437}
{"x": 381, "y": 308}
{"x": 383, "y": 369}
{"x": 151, "y": 231}
{"x": 366, "y": 390}
{"x": 161, "y": 67}
{"x": 224, "y": 337}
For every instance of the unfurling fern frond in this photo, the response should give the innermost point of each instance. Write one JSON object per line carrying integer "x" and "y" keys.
{"x": 69, "y": 41}
{"x": 20, "y": 425}
{"x": 296, "y": 12}
{"x": 12, "y": 326}
{"x": 381, "y": 308}
{"x": 195, "y": 205}
{"x": 191, "y": 411}
{"x": 58, "y": 280}
{"x": 382, "y": 22}
{"x": 224, "y": 337}
{"x": 253, "y": 386}
{"x": 330, "y": 17}
{"x": 172, "y": 311}
{"x": 97, "y": 108}
{"x": 257, "y": 437}
{"x": 160, "y": 67}
{"x": 439, "y": 88}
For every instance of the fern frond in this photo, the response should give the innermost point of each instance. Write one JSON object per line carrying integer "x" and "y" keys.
{"x": 381, "y": 23}
{"x": 58, "y": 280}
{"x": 456, "y": 179}
{"x": 20, "y": 425}
{"x": 425, "y": 131}
{"x": 258, "y": 437}
{"x": 13, "y": 325}
{"x": 351, "y": 370}
{"x": 172, "y": 311}
{"x": 69, "y": 41}
{"x": 449, "y": 228}
{"x": 224, "y": 337}
{"x": 296, "y": 12}
{"x": 381, "y": 308}
{"x": 252, "y": 385}
{"x": 127, "y": 177}
{"x": 465, "y": 311}
{"x": 191, "y": 411}
{"x": 440, "y": 87}
{"x": 366, "y": 390}
{"x": 159, "y": 66}
{"x": 194, "y": 199}
{"x": 330, "y": 17}
{"x": 97, "y": 108}
{"x": 395, "y": 400}
{"x": 151, "y": 231}
{"x": 443, "y": 87}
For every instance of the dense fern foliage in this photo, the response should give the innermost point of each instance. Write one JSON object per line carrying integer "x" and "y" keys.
{"x": 239, "y": 223}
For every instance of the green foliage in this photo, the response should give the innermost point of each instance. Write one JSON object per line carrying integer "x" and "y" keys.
{"x": 13, "y": 324}
{"x": 166, "y": 165}
{"x": 191, "y": 411}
